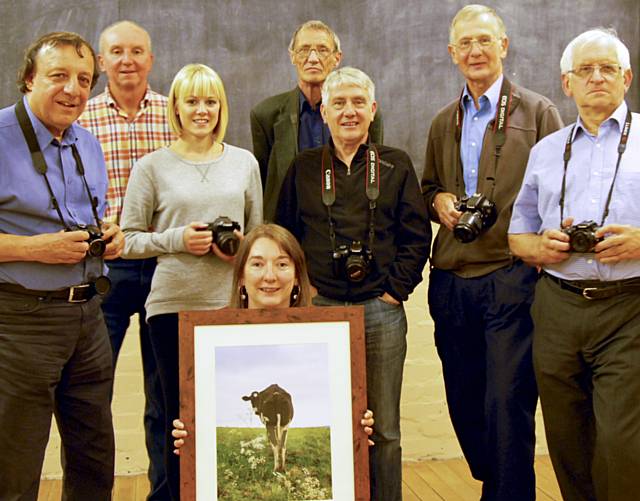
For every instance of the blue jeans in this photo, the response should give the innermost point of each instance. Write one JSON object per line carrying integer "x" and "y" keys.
{"x": 483, "y": 334}
{"x": 130, "y": 285}
{"x": 386, "y": 347}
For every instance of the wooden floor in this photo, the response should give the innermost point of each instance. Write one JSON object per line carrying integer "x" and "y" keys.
{"x": 423, "y": 481}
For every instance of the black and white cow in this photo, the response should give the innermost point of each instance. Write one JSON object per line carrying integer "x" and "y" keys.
{"x": 273, "y": 406}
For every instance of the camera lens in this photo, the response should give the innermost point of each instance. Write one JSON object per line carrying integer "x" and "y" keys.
{"x": 97, "y": 247}
{"x": 356, "y": 268}
{"x": 583, "y": 241}
{"x": 468, "y": 227}
{"x": 227, "y": 242}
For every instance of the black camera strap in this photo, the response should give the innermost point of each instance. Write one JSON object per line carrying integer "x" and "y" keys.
{"x": 40, "y": 163}
{"x": 500, "y": 123}
{"x": 622, "y": 146}
{"x": 372, "y": 189}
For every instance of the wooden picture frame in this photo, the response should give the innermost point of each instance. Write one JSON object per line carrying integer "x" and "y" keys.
{"x": 224, "y": 348}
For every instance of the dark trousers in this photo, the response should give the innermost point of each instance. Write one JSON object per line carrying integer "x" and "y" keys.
{"x": 483, "y": 334}
{"x": 163, "y": 330}
{"x": 386, "y": 347}
{"x": 55, "y": 358}
{"x": 130, "y": 285}
{"x": 587, "y": 362}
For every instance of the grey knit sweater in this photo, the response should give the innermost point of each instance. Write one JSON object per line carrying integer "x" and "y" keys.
{"x": 165, "y": 193}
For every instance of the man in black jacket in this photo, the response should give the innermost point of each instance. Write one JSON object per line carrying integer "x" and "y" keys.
{"x": 357, "y": 210}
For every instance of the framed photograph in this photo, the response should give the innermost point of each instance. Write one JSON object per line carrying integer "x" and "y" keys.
{"x": 273, "y": 400}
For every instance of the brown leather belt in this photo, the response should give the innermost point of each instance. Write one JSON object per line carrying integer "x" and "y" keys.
{"x": 595, "y": 289}
{"x": 76, "y": 294}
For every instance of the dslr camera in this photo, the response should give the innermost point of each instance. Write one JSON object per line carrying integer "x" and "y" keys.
{"x": 223, "y": 236}
{"x": 352, "y": 262}
{"x": 582, "y": 237}
{"x": 97, "y": 246}
{"x": 478, "y": 214}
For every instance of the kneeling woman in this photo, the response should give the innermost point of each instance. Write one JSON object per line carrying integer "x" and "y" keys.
{"x": 172, "y": 194}
{"x": 269, "y": 272}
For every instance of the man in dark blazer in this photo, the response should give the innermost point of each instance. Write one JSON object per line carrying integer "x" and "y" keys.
{"x": 285, "y": 124}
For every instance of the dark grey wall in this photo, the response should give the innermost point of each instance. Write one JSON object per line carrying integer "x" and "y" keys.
{"x": 402, "y": 45}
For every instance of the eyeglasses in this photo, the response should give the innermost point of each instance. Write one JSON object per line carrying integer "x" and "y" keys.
{"x": 607, "y": 71}
{"x": 322, "y": 52}
{"x": 466, "y": 44}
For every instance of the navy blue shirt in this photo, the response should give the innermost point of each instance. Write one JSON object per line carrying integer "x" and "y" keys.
{"x": 312, "y": 131}
{"x": 25, "y": 203}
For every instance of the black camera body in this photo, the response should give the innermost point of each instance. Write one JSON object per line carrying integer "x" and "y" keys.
{"x": 97, "y": 246}
{"x": 223, "y": 236}
{"x": 478, "y": 215}
{"x": 582, "y": 237}
{"x": 352, "y": 262}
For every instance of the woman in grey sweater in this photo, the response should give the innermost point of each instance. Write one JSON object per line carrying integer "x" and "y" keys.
{"x": 171, "y": 196}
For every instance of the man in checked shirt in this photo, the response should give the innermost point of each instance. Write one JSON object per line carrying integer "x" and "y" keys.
{"x": 129, "y": 120}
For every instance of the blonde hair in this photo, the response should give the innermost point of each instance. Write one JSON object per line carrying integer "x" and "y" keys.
{"x": 198, "y": 80}
{"x": 472, "y": 11}
{"x": 288, "y": 243}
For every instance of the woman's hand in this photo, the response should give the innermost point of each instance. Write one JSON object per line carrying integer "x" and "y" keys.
{"x": 366, "y": 422}
{"x": 179, "y": 433}
{"x": 197, "y": 240}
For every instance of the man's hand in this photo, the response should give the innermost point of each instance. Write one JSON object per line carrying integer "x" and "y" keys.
{"x": 621, "y": 242}
{"x": 444, "y": 204}
{"x": 112, "y": 234}
{"x": 389, "y": 299}
{"x": 549, "y": 248}
{"x": 196, "y": 240}
{"x": 64, "y": 247}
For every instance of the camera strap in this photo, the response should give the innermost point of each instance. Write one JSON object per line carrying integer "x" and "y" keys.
{"x": 500, "y": 122}
{"x": 372, "y": 189}
{"x": 622, "y": 146}
{"x": 40, "y": 163}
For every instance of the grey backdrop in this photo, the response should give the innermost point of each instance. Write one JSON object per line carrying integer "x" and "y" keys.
{"x": 402, "y": 45}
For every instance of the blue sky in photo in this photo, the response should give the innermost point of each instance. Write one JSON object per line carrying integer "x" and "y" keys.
{"x": 301, "y": 369}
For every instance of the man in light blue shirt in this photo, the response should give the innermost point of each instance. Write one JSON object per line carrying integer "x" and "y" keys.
{"x": 586, "y": 310}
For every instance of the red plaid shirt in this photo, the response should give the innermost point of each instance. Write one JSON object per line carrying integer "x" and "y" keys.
{"x": 124, "y": 142}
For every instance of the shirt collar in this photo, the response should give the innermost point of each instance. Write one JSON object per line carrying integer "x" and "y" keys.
{"x": 304, "y": 104}
{"x": 111, "y": 102}
{"x": 492, "y": 93}
{"x": 43, "y": 134}
{"x": 617, "y": 118}
{"x": 362, "y": 149}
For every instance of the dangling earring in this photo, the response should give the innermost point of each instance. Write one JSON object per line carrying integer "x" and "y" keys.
{"x": 295, "y": 292}
{"x": 244, "y": 300}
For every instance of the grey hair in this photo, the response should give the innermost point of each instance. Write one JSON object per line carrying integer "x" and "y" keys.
{"x": 472, "y": 11}
{"x": 315, "y": 25}
{"x": 607, "y": 35}
{"x": 347, "y": 76}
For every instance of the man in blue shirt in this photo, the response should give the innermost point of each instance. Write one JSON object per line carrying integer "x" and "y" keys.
{"x": 55, "y": 355}
{"x": 479, "y": 295}
{"x": 586, "y": 310}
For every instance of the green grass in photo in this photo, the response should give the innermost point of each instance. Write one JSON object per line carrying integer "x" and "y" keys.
{"x": 245, "y": 465}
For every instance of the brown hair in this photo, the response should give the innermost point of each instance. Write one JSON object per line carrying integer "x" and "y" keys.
{"x": 288, "y": 243}
{"x": 54, "y": 39}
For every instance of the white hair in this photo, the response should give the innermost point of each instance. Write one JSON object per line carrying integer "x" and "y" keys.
{"x": 347, "y": 76}
{"x": 595, "y": 35}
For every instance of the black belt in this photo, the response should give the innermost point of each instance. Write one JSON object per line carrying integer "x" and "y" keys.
{"x": 596, "y": 289}
{"x": 77, "y": 294}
